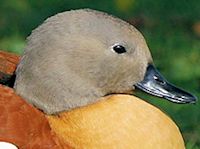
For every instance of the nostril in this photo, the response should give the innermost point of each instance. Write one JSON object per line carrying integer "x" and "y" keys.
{"x": 159, "y": 80}
{"x": 180, "y": 96}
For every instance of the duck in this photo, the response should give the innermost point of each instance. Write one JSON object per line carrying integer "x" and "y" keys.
{"x": 74, "y": 88}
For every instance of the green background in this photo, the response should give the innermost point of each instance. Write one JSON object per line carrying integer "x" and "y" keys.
{"x": 171, "y": 28}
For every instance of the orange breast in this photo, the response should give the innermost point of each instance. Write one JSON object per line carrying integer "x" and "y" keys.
{"x": 116, "y": 122}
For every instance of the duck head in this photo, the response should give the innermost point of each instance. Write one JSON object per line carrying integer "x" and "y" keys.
{"x": 78, "y": 56}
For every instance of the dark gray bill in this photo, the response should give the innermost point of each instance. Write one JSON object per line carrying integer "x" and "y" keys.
{"x": 155, "y": 84}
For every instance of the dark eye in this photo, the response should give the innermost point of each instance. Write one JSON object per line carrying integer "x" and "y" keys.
{"x": 119, "y": 49}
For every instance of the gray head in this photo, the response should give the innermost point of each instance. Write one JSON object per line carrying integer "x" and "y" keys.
{"x": 78, "y": 56}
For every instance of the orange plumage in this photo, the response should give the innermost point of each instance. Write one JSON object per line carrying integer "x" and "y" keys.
{"x": 117, "y": 122}
{"x": 22, "y": 124}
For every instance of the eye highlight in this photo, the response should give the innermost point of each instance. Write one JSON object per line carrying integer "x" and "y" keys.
{"x": 119, "y": 49}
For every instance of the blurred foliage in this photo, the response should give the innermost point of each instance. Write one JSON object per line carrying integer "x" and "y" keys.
{"x": 171, "y": 28}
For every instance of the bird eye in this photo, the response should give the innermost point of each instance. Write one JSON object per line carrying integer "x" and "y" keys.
{"x": 119, "y": 49}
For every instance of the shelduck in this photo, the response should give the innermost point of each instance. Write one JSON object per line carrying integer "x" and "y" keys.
{"x": 74, "y": 88}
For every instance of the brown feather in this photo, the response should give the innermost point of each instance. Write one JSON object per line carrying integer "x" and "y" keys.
{"x": 22, "y": 124}
{"x": 8, "y": 62}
